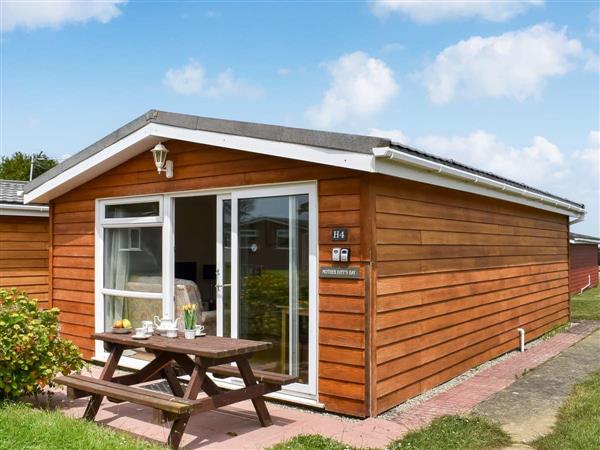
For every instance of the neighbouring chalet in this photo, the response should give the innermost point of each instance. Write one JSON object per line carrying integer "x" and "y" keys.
{"x": 24, "y": 241}
{"x": 584, "y": 259}
{"x": 377, "y": 271}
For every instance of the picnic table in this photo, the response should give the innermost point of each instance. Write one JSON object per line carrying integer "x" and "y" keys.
{"x": 195, "y": 357}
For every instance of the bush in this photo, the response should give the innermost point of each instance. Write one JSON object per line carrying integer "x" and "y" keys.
{"x": 31, "y": 353}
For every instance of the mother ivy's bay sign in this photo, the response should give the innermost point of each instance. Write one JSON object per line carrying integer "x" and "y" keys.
{"x": 352, "y": 273}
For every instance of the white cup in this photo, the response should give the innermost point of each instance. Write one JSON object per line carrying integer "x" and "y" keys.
{"x": 199, "y": 330}
{"x": 139, "y": 332}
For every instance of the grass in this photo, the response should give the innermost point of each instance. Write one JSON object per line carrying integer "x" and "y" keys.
{"x": 578, "y": 424}
{"x": 23, "y": 427}
{"x": 586, "y": 306}
{"x": 444, "y": 433}
{"x": 455, "y": 433}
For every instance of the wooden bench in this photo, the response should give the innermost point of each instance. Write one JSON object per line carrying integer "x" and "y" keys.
{"x": 262, "y": 376}
{"x": 79, "y": 386}
{"x": 82, "y": 386}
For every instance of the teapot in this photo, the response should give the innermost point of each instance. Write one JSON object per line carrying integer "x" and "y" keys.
{"x": 165, "y": 323}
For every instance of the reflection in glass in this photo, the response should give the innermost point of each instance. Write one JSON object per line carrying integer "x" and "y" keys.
{"x": 124, "y": 210}
{"x": 226, "y": 278}
{"x": 133, "y": 259}
{"x": 134, "y": 309}
{"x": 273, "y": 280}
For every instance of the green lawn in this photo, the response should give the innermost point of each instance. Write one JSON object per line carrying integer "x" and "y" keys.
{"x": 578, "y": 426}
{"x": 444, "y": 433}
{"x": 587, "y": 305}
{"x": 23, "y": 427}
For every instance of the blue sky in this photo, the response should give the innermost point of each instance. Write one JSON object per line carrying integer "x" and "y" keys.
{"x": 509, "y": 87}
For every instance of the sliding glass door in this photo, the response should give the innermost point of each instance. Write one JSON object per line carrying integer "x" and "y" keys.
{"x": 272, "y": 298}
{"x": 265, "y": 275}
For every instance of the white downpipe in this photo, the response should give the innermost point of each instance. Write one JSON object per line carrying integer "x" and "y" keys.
{"x": 521, "y": 338}
{"x": 589, "y": 283}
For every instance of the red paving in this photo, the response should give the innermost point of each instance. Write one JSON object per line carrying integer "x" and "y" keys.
{"x": 236, "y": 426}
{"x": 465, "y": 396}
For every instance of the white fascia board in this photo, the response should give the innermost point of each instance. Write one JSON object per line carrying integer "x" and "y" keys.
{"x": 300, "y": 152}
{"x": 398, "y": 164}
{"x": 24, "y": 210}
{"x": 149, "y": 135}
{"x": 89, "y": 168}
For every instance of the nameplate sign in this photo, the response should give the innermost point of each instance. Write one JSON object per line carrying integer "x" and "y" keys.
{"x": 339, "y": 234}
{"x": 352, "y": 273}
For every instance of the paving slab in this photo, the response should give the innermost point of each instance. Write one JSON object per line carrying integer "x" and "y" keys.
{"x": 528, "y": 408}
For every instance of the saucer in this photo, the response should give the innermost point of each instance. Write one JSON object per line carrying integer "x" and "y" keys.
{"x": 142, "y": 337}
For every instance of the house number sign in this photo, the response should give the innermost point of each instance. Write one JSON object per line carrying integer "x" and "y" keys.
{"x": 339, "y": 234}
{"x": 351, "y": 273}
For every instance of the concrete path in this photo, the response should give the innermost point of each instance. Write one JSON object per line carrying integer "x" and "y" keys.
{"x": 527, "y": 409}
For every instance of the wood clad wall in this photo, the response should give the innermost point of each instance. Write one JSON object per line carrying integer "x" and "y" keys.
{"x": 24, "y": 245}
{"x": 456, "y": 275}
{"x": 342, "y": 308}
{"x": 583, "y": 266}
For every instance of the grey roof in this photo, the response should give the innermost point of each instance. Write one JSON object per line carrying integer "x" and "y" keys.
{"x": 339, "y": 141}
{"x": 11, "y": 192}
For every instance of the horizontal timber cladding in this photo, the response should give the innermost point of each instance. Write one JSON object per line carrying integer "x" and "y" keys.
{"x": 24, "y": 250}
{"x": 456, "y": 275}
{"x": 342, "y": 380}
{"x": 583, "y": 266}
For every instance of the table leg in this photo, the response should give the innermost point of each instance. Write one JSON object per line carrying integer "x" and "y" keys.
{"x": 107, "y": 372}
{"x": 193, "y": 388}
{"x": 169, "y": 374}
{"x": 259, "y": 404}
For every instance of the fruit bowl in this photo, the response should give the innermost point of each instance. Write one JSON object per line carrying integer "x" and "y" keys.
{"x": 121, "y": 330}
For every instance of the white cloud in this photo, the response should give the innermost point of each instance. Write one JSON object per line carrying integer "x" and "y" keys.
{"x": 283, "y": 71}
{"x": 191, "y": 79}
{"x": 360, "y": 87}
{"x": 394, "y": 135}
{"x": 55, "y": 14}
{"x": 431, "y": 11}
{"x": 515, "y": 64}
{"x": 590, "y": 156}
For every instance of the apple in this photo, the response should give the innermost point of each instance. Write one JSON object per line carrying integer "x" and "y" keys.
{"x": 126, "y": 323}
{"x": 118, "y": 324}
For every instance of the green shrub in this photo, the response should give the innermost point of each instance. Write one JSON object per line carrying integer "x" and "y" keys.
{"x": 31, "y": 353}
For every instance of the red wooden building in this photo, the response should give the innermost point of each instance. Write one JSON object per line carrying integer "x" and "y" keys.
{"x": 24, "y": 242}
{"x": 584, "y": 259}
{"x": 376, "y": 270}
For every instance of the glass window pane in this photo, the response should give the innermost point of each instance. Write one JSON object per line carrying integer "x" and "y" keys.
{"x": 226, "y": 289}
{"x": 133, "y": 259}
{"x": 273, "y": 280}
{"x": 134, "y": 309}
{"x": 125, "y": 210}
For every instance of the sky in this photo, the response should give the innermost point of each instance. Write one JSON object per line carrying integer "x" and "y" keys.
{"x": 509, "y": 87}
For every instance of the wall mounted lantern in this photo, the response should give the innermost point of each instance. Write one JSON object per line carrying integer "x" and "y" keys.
{"x": 159, "y": 153}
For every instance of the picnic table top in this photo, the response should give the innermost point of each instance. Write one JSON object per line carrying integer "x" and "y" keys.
{"x": 205, "y": 346}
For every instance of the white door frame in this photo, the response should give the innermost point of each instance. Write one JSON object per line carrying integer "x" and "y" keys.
{"x": 274, "y": 191}
{"x": 167, "y": 221}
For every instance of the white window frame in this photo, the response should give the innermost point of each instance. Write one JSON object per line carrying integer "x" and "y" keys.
{"x": 103, "y": 223}
{"x": 132, "y": 220}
